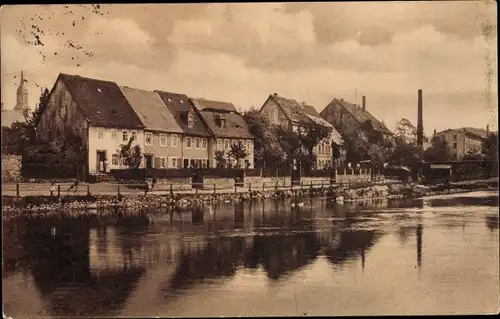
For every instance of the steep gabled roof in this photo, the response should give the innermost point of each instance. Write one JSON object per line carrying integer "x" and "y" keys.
{"x": 337, "y": 138}
{"x": 236, "y": 126}
{"x": 292, "y": 109}
{"x": 102, "y": 103}
{"x": 180, "y": 105}
{"x": 154, "y": 114}
{"x": 310, "y": 110}
{"x": 361, "y": 115}
{"x": 204, "y": 104}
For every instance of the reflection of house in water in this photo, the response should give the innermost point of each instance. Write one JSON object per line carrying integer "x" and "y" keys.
{"x": 281, "y": 254}
{"x": 60, "y": 266}
{"x": 351, "y": 244}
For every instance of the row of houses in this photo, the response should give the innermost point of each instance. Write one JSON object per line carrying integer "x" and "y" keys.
{"x": 172, "y": 129}
{"x": 175, "y": 130}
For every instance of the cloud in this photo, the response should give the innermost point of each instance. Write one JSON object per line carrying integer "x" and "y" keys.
{"x": 310, "y": 52}
{"x": 377, "y": 22}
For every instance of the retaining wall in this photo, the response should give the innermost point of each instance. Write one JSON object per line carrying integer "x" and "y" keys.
{"x": 11, "y": 168}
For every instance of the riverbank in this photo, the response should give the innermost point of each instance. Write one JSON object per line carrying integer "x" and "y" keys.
{"x": 113, "y": 204}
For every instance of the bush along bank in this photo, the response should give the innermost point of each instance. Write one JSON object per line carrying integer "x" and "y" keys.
{"x": 76, "y": 205}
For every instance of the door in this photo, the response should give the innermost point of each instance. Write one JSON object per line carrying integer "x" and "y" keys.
{"x": 101, "y": 156}
{"x": 186, "y": 162}
{"x": 149, "y": 161}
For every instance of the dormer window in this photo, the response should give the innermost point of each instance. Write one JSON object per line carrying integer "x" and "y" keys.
{"x": 190, "y": 120}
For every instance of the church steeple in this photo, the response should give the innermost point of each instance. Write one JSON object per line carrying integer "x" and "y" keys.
{"x": 22, "y": 97}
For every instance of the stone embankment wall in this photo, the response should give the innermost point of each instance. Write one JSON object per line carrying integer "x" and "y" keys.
{"x": 11, "y": 168}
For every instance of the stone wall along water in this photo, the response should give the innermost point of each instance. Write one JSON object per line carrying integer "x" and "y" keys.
{"x": 11, "y": 168}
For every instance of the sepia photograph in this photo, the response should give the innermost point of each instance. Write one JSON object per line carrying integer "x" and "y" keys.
{"x": 250, "y": 159}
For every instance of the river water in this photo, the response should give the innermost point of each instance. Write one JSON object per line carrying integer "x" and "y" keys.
{"x": 437, "y": 255}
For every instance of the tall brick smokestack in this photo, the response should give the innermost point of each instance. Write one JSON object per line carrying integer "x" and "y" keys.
{"x": 363, "y": 103}
{"x": 420, "y": 124}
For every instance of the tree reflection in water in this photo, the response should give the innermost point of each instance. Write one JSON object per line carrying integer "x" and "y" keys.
{"x": 198, "y": 245}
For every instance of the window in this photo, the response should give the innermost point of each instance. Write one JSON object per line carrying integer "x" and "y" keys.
{"x": 174, "y": 140}
{"x": 204, "y": 143}
{"x": 125, "y": 136}
{"x": 163, "y": 162}
{"x": 114, "y": 159}
{"x": 174, "y": 162}
{"x": 226, "y": 144}
{"x": 134, "y": 136}
{"x": 219, "y": 144}
{"x": 249, "y": 144}
{"x": 223, "y": 123}
{"x": 455, "y": 145}
{"x": 454, "y": 137}
{"x": 188, "y": 142}
{"x": 163, "y": 140}
{"x": 100, "y": 134}
{"x": 114, "y": 135}
{"x": 234, "y": 142}
{"x": 190, "y": 120}
{"x": 149, "y": 139}
{"x": 197, "y": 142}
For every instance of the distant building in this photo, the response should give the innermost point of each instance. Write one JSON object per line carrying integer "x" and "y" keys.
{"x": 464, "y": 140}
{"x": 347, "y": 116}
{"x": 227, "y": 127}
{"x": 21, "y": 109}
{"x": 95, "y": 110}
{"x": 293, "y": 115}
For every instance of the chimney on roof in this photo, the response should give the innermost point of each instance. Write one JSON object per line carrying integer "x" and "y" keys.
{"x": 275, "y": 94}
{"x": 434, "y": 131}
{"x": 487, "y": 130}
{"x": 420, "y": 123}
{"x": 363, "y": 103}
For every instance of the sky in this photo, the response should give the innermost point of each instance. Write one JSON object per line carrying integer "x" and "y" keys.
{"x": 242, "y": 52}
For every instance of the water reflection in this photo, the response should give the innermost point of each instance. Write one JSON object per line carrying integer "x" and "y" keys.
{"x": 94, "y": 267}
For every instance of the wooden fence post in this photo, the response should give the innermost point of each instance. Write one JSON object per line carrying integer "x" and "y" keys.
{"x": 215, "y": 189}
{"x": 196, "y": 190}
{"x": 59, "y": 190}
{"x": 88, "y": 190}
{"x": 235, "y": 191}
{"x": 171, "y": 190}
{"x": 276, "y": 186}
{"x": 17, "y": 189}
{"x": 263, "y": 188}
{"x": 249, "y": 187}
{"x": 321, "y": 185}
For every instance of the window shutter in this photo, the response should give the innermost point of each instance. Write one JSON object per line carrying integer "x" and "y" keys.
{"x": 157, "y": 162}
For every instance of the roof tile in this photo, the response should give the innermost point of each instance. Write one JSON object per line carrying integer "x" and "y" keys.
{"x": 179, "y": 105}
{"x": 154, "y": 114}
{"x": 101, "y": 102}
